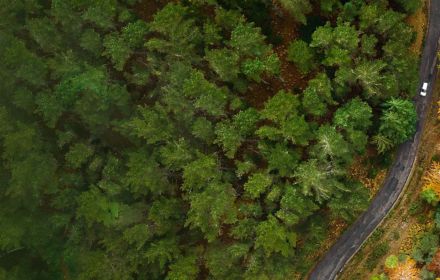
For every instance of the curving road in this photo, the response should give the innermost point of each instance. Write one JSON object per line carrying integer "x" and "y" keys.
{"x": 351, "y": 241}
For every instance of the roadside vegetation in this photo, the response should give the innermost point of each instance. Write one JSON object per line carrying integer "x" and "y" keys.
{"x": 407, "y": 245}
{"x": 170, "y": 140}
{"x": 418, "y": 256}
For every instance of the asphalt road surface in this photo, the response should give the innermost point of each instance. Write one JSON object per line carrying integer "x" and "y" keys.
{"x": 350, "y": 242}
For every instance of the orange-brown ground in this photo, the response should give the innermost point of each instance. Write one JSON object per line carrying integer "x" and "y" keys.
{"x": 405, "y": 271}
{"x": 147, "y": 8}
{"x": 284, "y": 26}
{"x": 418, "y": 21}
{"x": 359, "y": 171}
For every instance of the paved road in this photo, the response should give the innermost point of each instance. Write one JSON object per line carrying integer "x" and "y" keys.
{"x": 351, "y": 241}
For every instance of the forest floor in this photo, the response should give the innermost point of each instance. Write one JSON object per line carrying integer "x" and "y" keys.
{"x": 286, "y": 28}
{"x": 408, "y": 219}
{"x": 146, "y": 9}
{"x": 419, "y": 21}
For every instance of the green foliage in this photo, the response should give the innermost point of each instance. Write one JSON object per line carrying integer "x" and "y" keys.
{"x": 117, "y": 50}
{"x": 430, "y": 196}
{"x": 78, "y": 155}
{"x": 162, "y": 252}
{"x": 248, "y": 40}
{"x": 298, "y": 9}
{"x": 295, "y": 207}
{"x": 144, "y": 174}
{"x": 346, "y": 36}
{"x": 202, "y": 129}
{"x": 317, "y": 95}
{"x": 336, "y": 43}
{"x": 95, "y": 207}
{"x": 347, "y": 205}
{"x": 316, "y": 179}
{"x": 175, "y": 155}
{"x": 322, "y": 37}
{"x": 91, "y": 41}
{"x": 282, "y": 109}
{"x": 437, "y": 219}
{"x": 398, "y": 121}
{"x": 207, "y": 96}
{"x": 374, "y": 257}
{"x": 396, "y": 235}
{"x": 44, "y": 33}
{"x": 184, "y": 268}
{"x": 101, "y": 14}
{"x": 302, "y": 55}
{"x": 248, "y": 54}
{"x": 329, "y": 6}
{"x": 383, "y": 143}
{"x": 25, "y": 65}
{"x": 222, "y": 260}
{"x": 377, "y": 235}
{"x": 232, "y": 133}
{"x": 410, "y": 6}
{"x": 331, "y": 146}
{"x": 133, "y": 147}
{"x": 224, "y": 62}
{"x": 369, "y": 75}
{"x": 257, "y": 184}
{"x": 416, "y": 208}
{"x": 391, "y": 261}
{"x": 211, "y": 208}
{"x": 180, "y": 35}
{"x": 255, "y": 68}
{"x": 273, "y": 237}
{"x": 426, "y": 247}
{"x": 368, "y": 43}
{"x": 381, "y": 276}
{"x": 200, "y": 172}
{"x": 280, "y": 158}
{"x": 354, "y": 115}
{"x": 152, "y": 125}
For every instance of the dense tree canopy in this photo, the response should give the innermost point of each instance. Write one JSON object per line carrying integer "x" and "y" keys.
{"x": 132, "y": 147}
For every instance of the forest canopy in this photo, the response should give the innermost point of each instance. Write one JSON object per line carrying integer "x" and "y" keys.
{"x": 133, "y": 147}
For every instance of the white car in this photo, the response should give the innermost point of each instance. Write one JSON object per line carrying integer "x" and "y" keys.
{"x": 424, "y": 89}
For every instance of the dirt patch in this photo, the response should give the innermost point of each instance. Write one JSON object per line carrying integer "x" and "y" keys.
{"x": 147, "y": 8}
{"x": 336, "y": 228}
{"x": 287, "y": 28}
{"x": 359, "y": 171}
{"x": 418, "y": 21}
